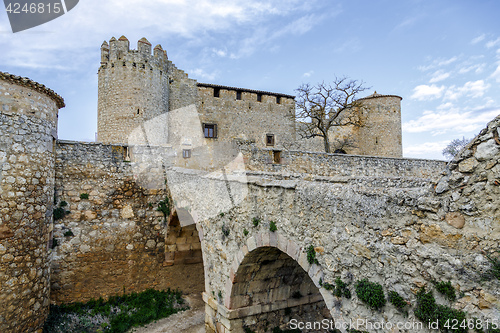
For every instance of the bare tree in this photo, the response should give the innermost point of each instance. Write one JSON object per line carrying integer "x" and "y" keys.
{"x": 324, "y": 105}
{"x": 454, "y": 147}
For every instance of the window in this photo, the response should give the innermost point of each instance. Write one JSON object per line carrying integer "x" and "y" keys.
{"x": 238, "y": 95}
{"x": 186, "y": 153}
{"x": 276, "y": 156}
{"x": 210, "y": 130}
{"x": 278, "y": 99}
{"x": 269, "y": 139}
{"x": 259, "y": 97}
{"x": 216, "y": 92}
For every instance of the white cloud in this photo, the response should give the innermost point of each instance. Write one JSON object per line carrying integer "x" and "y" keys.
{"x": 496, "y": 74}
{"x": 308, "y": 74}
{"x": 473, "y": 89}
{"x": 478, "y": 39}
{"x": 493, "y": 43}
{"x": 452, "y": 120}
{"x": 477, "y": 68}
{"x": 200, "y": 73}
{"x": 438, "y": 63}
{"x": 439, "y": 76}
{"x": 426, "y": 92}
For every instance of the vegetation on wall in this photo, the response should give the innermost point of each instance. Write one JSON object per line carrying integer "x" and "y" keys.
{"x": 116, "y": 315}
{"x": 272, "y": 226}
{"x": 84, "y": 196}
{"x": 428, "y": 311}
{"x": 164, "y": 207}
{"x": 255, "y": 221}
{"x": 311, "y": 255}
{"x": 371, "y": 293}
{"x": 399, "y": 302}
{"x": 446, "y": 289}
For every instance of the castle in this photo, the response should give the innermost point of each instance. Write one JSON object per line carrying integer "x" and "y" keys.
{"x": 84, "y": 220}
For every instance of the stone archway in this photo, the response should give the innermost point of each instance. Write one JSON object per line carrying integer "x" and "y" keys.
{"x": 270, "y": 284}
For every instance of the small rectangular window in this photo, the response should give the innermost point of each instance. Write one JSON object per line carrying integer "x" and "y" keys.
{"x": 210, "y": 130}
{"x": 186, "y": 153}
{"x": 216, "y": 92}
{"x": 278, "y": 99}
{"x": 238, "y": 95}
{"x": 269, "y": 139}
{"x": 259, "y": 97}
{"x": 276, "y": 156}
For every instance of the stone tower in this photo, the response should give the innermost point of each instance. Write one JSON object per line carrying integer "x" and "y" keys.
{"x": 380, "y": 134}
{"x": 133, "y": 88}
{"x": 28, "y": 127}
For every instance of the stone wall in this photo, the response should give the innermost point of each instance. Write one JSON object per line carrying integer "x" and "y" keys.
{"x": 28, "y": 124}
{"x": 289, "y": 162}
{"x": 248, "y": 118}
{"x": 113, "y": 238}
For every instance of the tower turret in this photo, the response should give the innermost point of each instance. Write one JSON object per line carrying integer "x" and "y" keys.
{"x": 133, "y": 88}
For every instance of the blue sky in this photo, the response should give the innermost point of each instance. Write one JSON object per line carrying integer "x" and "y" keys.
{"x": 442, "y": 57}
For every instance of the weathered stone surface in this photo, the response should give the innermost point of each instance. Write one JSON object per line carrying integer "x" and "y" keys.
{"x": 5, "y": 232}
{"x": 487, "y": 150}
{"x": 455, "y": 219}
{"x": 468, "y": 165}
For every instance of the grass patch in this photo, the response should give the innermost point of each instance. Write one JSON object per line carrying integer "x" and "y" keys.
{"x": 398, "y": 301}
{"x": 495, "y": 267}
{"x": 245, "y": 232}
{"x": 84, "y": 196}
{"x": 116, "y": 315}
{"x": 371, "y": 293}
{"x": 255, "y": 221}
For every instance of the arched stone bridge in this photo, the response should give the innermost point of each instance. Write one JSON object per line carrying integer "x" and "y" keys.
{"x": 402, "y": 223}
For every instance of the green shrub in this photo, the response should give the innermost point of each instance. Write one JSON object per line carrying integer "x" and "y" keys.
{"x": 311, "y": 255}
{"x": 84, "y": 196}
{"x": 58, "y": 213}
{"x": 255, "y": 221}
{"x": 446, "y": 289}
{"x": 68, "y": 233}
{"x": 117, "y": 314}
{"x": 428, "y": 311}
{"x": 63, "y": 204}
{"x": 371, "y": 293}
{"x": 341, "y": 289}
{"x": 398, "y": 301}
{"x": 495, "y": 267}
{"x": 164, "y": 208}
{"x": 272, "y": 226}
{"x": 245, "y": 232}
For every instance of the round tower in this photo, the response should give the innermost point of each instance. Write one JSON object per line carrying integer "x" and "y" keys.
{"x": 380, "y": 133}
{"x": 28, "y": 127}
{"x": 133, "y": 88}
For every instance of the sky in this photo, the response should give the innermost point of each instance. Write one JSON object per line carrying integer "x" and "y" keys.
{"x": 442, "y": 57}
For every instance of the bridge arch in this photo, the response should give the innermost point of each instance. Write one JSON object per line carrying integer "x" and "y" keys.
{"x": 271, "y": 282}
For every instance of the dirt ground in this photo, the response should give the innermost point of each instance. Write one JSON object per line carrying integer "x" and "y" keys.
{"x": 190, "y": 321}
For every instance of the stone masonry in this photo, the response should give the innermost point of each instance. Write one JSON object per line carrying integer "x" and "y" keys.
{"x": 85, "y": 220}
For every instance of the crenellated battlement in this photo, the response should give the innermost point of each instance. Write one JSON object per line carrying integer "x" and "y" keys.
{"x": 118, "y": 50}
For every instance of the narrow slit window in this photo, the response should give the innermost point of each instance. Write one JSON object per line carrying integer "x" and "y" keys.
{"x": 238, "y": 95}
{"x": 210, "y": 130}
{"x": 269, "y": 139}
{"x": 186, "y": 153}
{"x": 278, "y": 99}
{"x": 216, "y": 92}
{"x": 259, "y": 97}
